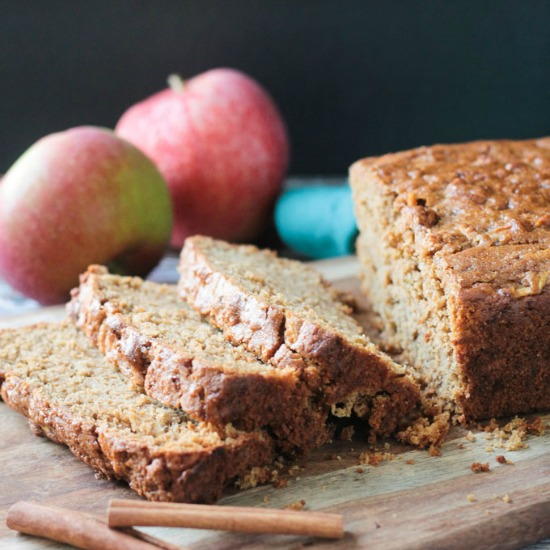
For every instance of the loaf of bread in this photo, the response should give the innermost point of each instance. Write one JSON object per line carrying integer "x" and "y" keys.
{"x": 285, "y": 313}
{"x": 455, "y": 252}
{"x": 51, "y": 374}
{"x": 184, "y": 362}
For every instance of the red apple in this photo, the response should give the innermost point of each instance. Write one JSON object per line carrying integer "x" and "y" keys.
{"x": 221, "y": 145}
{"x": 79, "y": 197}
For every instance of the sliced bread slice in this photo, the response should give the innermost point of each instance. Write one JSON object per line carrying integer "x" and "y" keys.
{"x": 184, "y": 362}
{"x": 287, "y": 314}
{"x": 51, "y": 374}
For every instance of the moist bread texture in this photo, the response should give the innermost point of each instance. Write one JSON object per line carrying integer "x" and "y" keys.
{"x": 285, "y": 313}
{"x": 185, "y": 362}
{"x": 455, "y": 252}
{"x": 51, "y": 374}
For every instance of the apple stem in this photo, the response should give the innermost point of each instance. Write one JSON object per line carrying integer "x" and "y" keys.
{"x": 176, "y": 83}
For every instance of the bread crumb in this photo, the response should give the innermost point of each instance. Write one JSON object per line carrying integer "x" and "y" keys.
{"x": 427, "y": 433}
{"x": 536, "y": 426}
{"x": 471, "y": 498}
{"x": 409, "y": 461}
{"x": 491, "y": 426}
{"x": 256, "y": 476}
{"x": 373, "y": 458}
{"x": 359, "y": 470}
{"x": 512, "y": 435}
{"x": 506, "y": 498}
{"x": 501, "y": 459}
{"x": 478, "y": 467}
{"x": 470, "y": 437}
{"x": 489, "y": 449}
{"x": 296, "y": 505}
{"x": 434, "y": 451}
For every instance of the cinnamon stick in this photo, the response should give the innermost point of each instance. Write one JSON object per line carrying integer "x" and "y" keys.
{"x": 124, "y": 513}
{"x": 71, "y": 527}
{"x": 160, "y": 544}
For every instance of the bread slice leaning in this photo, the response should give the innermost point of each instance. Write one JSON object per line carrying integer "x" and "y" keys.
{"x": 71, "y": 394}
{"x": 285, "y": 313}
{"x": 185, "y": 362}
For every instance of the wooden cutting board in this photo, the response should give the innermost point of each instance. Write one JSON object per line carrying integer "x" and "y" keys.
{"x": 412, "y": 501}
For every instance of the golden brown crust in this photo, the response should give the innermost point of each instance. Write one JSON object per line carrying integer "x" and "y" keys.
{"x": 468, "y": 194}
{"x": 157, "y": 473}
{"x": 331, "y": 364}
{"x": 488, "y": 242}
{"x": 277, "y": 400}
{"x": 170, "y": 476}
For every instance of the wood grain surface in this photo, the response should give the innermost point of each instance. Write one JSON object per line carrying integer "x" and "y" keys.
{"x": 413, "y": 501}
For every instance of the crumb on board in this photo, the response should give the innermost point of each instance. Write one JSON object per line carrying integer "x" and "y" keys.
{"x": 359, "y": 470}
{"x": 373, "y": 458}
{"x": 256, "y": 476}
{"x": 506, "y": 498}
{"x": 434, "y": 451}
{"x": 470, "y": 437}
{"x": 478, "y": 467}
{"x": 409, "y": 461}
{"x": 513, "y": 434}
{"x": 296, "y": 505}
{"x": 427, "y": 433}
{"x": 501, "y": 459}
{"x": 471, "y": 498}
{"x": 261, "y": 475}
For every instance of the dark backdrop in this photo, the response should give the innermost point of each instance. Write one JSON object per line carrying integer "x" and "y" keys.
{"x": 351, "y": 77}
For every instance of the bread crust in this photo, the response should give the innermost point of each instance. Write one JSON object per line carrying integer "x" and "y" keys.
{"x": 474, "y": 218}
{"x": 278, "y": 400}
{"x": 501, "y": 331}
{"x": 334, "y": 367}
{"x": 156, "y": 474}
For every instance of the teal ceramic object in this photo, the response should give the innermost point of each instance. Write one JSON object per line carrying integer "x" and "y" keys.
{"x": 317, "y": 220}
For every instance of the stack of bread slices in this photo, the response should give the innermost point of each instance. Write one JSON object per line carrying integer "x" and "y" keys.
{"x": 181, "y": 391}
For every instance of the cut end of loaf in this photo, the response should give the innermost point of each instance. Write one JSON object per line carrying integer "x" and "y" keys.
{"x": 454, "y": 252}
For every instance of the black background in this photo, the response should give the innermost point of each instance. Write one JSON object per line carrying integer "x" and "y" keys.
{"x": 352, "y": 78}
